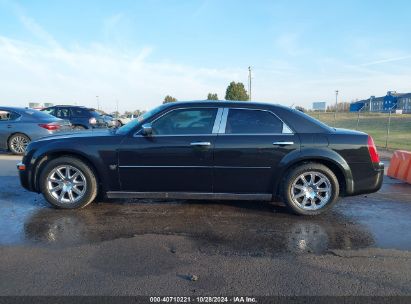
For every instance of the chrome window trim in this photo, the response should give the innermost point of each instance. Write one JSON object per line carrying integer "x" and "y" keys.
{"x": 137, "y": 134}
{"x": 258, "y": 134}
{"x": 170, "y": 135}
{"x": 222, "y": 130}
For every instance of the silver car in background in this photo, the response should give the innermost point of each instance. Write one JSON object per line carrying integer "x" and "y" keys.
{"x": 19, "y": 126}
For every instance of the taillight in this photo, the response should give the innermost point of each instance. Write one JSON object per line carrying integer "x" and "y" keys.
{"x": 50, "y": 126}
{"x": 92, "y": 121}
{"x": 372, "y": 149}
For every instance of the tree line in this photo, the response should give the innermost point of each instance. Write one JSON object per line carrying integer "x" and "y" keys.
{"x": 234, "y": 91}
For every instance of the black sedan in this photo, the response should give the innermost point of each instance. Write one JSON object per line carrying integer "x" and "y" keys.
{"x": 207, "y": 150}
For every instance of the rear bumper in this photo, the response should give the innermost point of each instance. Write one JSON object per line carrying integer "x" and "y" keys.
{"x": 369, "y": 181}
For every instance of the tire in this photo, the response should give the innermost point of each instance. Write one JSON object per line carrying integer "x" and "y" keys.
{"x": 310, "y": 197}
{"x": 119, "y": 123}
{"x": 72, "y": 193}
{"x": 78, "y": 128}
{"x": 18, "y": 143}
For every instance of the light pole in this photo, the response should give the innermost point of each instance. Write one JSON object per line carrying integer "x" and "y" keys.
{"x": 336, "y": 108}
{"x": 388, "y": 127}
{"x": 98, "y": 103}
{"x": 249, "y": 83}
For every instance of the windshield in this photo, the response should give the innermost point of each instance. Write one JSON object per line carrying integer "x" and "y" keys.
{"x": 134, "y": 123}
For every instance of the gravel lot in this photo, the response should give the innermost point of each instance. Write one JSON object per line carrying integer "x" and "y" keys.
{"x": 146, "y": 247}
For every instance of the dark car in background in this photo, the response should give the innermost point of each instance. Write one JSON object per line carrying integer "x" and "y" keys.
{"x": 19, "y": 126}
{"x": 207, "y": 150}
{"x": 81, "y": 118}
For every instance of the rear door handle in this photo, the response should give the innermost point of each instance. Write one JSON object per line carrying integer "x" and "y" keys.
{"x": 283, "y": 143}
{"x": 8, "y": 126}
{"x": 200, "y": 144}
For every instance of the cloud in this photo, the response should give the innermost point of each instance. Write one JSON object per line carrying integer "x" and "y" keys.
{"x": 33, "y": 26}
{"x": 33, "y": 72}
{"x": 386, "y": 60}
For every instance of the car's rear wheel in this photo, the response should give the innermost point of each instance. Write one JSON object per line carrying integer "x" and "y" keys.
{"x": 69, "y": 183}
{"x": 18, "y": 143}
{"x": 310, "y": 189}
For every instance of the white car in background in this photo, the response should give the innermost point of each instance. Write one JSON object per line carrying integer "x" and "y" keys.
{"x": 125, "y": 119}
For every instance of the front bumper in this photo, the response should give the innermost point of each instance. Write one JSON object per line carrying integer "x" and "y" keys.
{"x": 24, "y": 176}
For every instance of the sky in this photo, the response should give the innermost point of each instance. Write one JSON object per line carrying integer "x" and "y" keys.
{"x": 136, "y": 52}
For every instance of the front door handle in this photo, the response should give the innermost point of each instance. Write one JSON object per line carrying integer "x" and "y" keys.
{"x": 200, "y": 144}
{"x": 283, "y": 143}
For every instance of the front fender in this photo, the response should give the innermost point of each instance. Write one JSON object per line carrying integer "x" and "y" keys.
{"x": 45, "y": 150}
{"x": 320, "y": 154}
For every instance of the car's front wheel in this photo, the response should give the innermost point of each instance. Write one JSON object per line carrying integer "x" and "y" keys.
{"x": 310, "y": 189}
{"x": 67, "y": 182}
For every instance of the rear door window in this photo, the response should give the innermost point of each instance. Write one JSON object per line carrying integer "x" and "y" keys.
{"x": 248, "y": 121}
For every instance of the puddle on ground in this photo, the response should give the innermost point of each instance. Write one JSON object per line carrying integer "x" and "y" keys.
{"x": 224, "y": 228}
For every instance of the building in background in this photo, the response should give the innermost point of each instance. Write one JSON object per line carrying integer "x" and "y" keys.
{"x": 39, "y": 106}
{"x": 34, "y": 105}
{"x": 319, "y": 106}
{"x": 393, "y": 101}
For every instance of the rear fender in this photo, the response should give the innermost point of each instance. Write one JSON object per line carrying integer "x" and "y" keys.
{"x": 320, "y": 155}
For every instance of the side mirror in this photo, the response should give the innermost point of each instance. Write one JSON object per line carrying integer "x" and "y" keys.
{"x": 147, "y": 129}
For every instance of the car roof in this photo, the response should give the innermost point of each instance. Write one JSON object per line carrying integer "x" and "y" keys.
{"x": 224, "y": 103}
{"x": 16, "y": 109}
{"x": 70, "y": 106}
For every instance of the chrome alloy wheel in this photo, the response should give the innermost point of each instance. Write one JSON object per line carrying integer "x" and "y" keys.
{"x": 66, "y": 184}
{"x": 311, "y": 190}
{"x": 18, "y": 144}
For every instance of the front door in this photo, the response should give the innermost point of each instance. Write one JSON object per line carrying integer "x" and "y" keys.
{"x": 177, "y": 157}
{"x": 248, "y": 148}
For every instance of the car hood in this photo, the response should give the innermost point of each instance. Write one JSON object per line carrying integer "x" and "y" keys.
{"x": 79, "y": 134}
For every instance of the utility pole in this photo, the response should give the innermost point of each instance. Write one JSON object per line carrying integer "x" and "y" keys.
{"x": 98, "y": 103}
{"x": 117, "y": 106}
{"x": 249, "y": 83}
{"x": 336, "y": 108}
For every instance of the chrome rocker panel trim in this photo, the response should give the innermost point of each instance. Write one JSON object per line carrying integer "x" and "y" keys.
{"x": 192, "y": 195}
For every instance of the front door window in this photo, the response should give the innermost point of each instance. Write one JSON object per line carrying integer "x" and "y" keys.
{"x": 185, "y": 122}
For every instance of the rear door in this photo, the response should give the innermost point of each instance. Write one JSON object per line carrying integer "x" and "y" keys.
{"x": 249, "y": 147}
{"x": 80, "y": 116}
{"x": 177, "y": 157}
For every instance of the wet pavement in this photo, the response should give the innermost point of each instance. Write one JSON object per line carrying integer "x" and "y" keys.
{"x": 366, "y": 226}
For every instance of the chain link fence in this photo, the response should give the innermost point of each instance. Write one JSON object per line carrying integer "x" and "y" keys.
{"x": 389, "y": 130}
